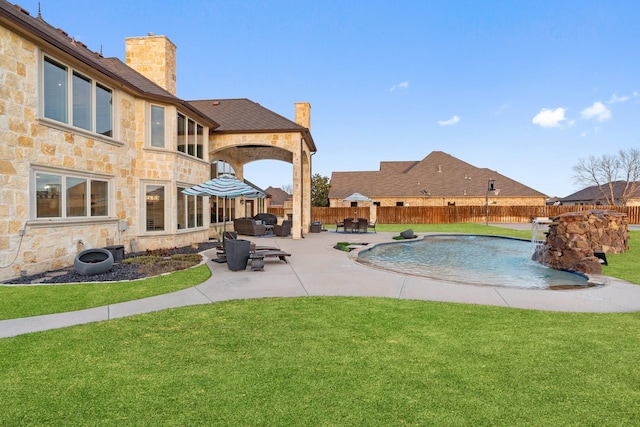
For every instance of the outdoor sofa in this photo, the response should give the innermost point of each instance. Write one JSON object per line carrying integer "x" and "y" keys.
{"x": 249, "y": 227}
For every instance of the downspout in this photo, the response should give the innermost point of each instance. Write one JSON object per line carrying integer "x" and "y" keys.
{"x": 301, "y": 186}
{"x": 310, "y": 184}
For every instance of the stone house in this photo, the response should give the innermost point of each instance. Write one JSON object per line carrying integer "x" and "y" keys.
{"x": 437, "y": 180}
{"x": 95, "y": 152}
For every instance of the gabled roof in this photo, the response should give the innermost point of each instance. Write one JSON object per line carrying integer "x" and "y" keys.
{"x": 243, "y": 115}
{"x": 278, "y": 195}
{"x": 38, "y": 30}
{"x": 594, "y": 193}
{"x": 437, "y": 175}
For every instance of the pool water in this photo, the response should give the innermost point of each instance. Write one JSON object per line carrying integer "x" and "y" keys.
{"x": 480, "y": 260}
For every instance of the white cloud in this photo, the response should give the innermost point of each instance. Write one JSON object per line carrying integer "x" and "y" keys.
{"x": 548, "y": 118}
{"x": 452, "y": 121}
{"x": 598, "y": 111}
{"x": 401, "y": 85}
{"x": 615, "y": 98}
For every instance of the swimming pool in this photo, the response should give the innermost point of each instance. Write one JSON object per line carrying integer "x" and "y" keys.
{"x": 479, "y": 260}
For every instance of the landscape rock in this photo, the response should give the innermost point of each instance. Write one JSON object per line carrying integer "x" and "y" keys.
{"x": 574, "y": 237}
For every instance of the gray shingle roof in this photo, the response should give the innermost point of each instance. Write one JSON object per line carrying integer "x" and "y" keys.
{"x": 594, "y": 194}
{"x": 438, "y": 175}
{"x": 278, "y": 196}
{"x": 243, "y": 115}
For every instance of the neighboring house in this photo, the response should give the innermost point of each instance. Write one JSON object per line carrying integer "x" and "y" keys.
{"x": 437, "y": 180}
{"x": 95, "y": 152}
{"x": 594, "y": 195}
{"x": 277, "y": 196}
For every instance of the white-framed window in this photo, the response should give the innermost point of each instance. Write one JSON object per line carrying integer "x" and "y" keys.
{"x": 190, "y": 137}
{"x": 155, "y": 207}
{"x": 75, "y": 99}
{"x": 157, "y": 126}
{"x": 220, "y": 167}
{"x": 69, "y": 195}
{"x": 189, "y": 210}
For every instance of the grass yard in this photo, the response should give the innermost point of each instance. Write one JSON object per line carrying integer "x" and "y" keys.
{"x": 320, "y": 361}
{"x": 25, "y": 301}
{"x": 328, "y": 362}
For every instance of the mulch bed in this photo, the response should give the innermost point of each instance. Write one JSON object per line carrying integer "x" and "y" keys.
{"x": 119, "y": 271}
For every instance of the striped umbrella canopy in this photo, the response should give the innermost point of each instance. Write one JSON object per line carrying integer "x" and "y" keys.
{"x": 226, "y": 186}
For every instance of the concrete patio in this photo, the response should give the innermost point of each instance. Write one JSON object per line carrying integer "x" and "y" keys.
{"x": 317, "y": 269}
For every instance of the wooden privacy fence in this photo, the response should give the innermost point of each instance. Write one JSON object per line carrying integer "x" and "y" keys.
{"x": 498, "y": 214}
{"x": 454, "y": 214}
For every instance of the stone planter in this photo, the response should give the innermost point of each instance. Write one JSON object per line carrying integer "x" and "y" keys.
{"x": 93, "y": 261}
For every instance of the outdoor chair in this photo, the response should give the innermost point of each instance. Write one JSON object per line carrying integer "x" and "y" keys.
{"x": 363, "y": 223}
{"x": 284, "y": 229}
{"x": 349, "y": 225}
{"x": 372, "y": 225}
{"x": 339, "y": 225}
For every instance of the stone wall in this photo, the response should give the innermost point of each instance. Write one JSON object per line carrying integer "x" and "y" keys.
{"x": 575, "y": 236}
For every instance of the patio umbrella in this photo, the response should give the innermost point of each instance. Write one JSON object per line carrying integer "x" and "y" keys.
{"x": 225, "y": 186}
{"x": 357, "y": 197}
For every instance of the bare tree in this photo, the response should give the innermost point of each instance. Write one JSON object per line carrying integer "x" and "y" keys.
{"x": 610, "y": 174}
{"x": 287, "y": 188}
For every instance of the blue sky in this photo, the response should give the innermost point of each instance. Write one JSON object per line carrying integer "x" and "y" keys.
{"x": 525, "y": 88}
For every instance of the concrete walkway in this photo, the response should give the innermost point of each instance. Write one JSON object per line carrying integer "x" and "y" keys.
{"x": 315, "y": 268}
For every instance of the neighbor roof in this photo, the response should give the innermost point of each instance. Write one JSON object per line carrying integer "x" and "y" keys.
{"x": 243, "y": 115}
{"x": 278, "y": 196}
{"x": 594, "y": 193}
{"x": 437, "y": 175}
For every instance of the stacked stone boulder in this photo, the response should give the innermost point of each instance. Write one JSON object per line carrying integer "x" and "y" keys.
{"x": 574, "y": 238}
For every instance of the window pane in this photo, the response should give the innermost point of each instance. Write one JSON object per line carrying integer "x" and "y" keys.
{"x": 199, "y": 211}
{"x": 55, "y": 91}
{"x": 191, "y": 149}
{"x": 76, "y": 196}
{"x": 182, "y": 209}
{"x": 48, "y": 195}
{"x": 182, "y": 133}
{"x": 200, "y": 142}
{"x": 155, "y": 207}
{"x": 157, "y": 126}
{"x": 191, "y": 211}
{"x": 81, "y": 101}
{"x": 104, "y": 111}
{"x": 99, "y": 198}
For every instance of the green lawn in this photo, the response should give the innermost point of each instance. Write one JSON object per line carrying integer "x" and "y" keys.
{"x": 24, "y": 301}
{"x": 328, "y": 362}
{"x": 320, "y": 361}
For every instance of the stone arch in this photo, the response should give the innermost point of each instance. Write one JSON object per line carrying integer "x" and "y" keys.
{"x": 239, "y": 149}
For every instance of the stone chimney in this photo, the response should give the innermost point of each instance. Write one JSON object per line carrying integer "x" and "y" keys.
{"x": 155, "y": 58}
{"x": 303, "y": 114}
